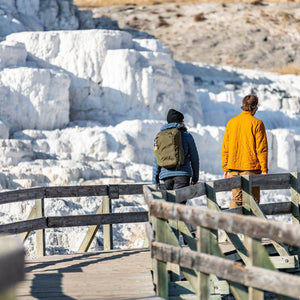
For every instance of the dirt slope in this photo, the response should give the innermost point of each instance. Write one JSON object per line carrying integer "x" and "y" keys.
{"x": 256, "y": 35}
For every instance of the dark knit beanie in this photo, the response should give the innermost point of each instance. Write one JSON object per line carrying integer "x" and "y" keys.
{"x": 174, "y": 116}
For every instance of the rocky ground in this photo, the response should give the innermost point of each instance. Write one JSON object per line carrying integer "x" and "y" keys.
{"x": 256, "y": 35}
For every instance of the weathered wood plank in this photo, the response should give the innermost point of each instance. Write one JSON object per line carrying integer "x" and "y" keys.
{"x": 271, "y": 281}
{"x": 177, "y": 288}
{"x": 85, "y": 220}
{"x": 187, "y": 236}
{"x": 69, "y": 191}
{"x": 40, "y": 234}
{"x": 115, "y": 274}
{"x": 162, "y": 279}
{"x": 86, "y": 242}
{"x": 259, "y": 258}
{"x": 107, "y": 229}
{"x": 285, "y": 262}
{"x": 253, "y": 227}
{"x": 130, "y": 189}
{"x": 75, "y": 191}
{"x": 266, "y": 182}
{"x": 271, "y": 181}
{"x": 22, "y": 195}
{"x": 147, "y": 190}
{"x": 203, "y": 246}
{"x": 93, "y": 190}
{"x": 267, "y": 208}
{"x": 295, "y": 201}
{"x": 174, "y": 270}
{"x": 235, "y": 240}
{"x": 239, "y": 292}
{"x": 281, "y": 249}
{"x": 32, "y": 215}
{"x": 149, "y": 234}
{"x": 246, "y": 194}
{"x": 167, "y": 235}
{"x": 276, "y": 208}
{"x": 190, "y": 192}
{"x": 235, "y": 210}
{"x": 161, "y": 234}
{"x": 295, "y": 197}
{"x": 180, "y": 288}
{"x": 223, "y": 185}
{"x": 11, "y": 262}
{"x": 23, "y": 226}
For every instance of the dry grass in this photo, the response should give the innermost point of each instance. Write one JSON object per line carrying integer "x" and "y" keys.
{"x": 151, "y": 2}
{"x": 289, "y": 69}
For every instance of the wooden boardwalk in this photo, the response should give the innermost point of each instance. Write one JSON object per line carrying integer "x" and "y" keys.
{"x": 115, "y": 274}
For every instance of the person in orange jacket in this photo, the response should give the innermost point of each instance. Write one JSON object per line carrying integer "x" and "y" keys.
{"x": 245, "y": 148}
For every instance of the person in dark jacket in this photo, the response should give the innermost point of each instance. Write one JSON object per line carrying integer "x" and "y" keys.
{"x": 188, "y": 173}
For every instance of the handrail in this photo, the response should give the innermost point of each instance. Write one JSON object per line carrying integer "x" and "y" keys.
{"x": 252, "y": 270}
{"x": 208, "y": 221}
{"x": 74, "y": 221}
{"x": 111, "y": 190}
{"x": 39, "y": 222}
{"x": 247, "y": 225}
{"x": 266, "y": 182}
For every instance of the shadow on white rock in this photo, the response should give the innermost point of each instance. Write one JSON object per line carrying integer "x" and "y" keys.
{"x": 34, "y": 98}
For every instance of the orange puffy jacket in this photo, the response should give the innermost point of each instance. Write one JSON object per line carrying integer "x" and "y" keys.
{"x": 245, "y": 145}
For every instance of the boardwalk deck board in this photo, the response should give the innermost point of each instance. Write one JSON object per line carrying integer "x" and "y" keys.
{"x": 115, "y": 274}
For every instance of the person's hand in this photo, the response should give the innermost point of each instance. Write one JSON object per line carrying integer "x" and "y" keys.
{"x": 226, "y": 174}
{"x": 193, "y": 182}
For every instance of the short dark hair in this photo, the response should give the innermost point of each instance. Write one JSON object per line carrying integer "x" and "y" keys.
{"x": 249, "y": 102}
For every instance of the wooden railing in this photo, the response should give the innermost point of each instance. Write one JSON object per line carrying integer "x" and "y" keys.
{"x": 182, "y": 263}
{"x": 265, "y": 255}
{"x": 38, "y": 222}
{"x": 11, "y": 266}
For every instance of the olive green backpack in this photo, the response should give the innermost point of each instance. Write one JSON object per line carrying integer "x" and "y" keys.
{"x": 168, "y": 148}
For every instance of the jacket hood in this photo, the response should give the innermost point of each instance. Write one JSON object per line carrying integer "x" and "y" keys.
{"x": 173, "y": 125}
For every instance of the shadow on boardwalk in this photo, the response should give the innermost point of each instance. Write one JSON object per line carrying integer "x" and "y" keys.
{"x": 116, "y": 274}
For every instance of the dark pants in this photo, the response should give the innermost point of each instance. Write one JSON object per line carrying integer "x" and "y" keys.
{"x": 176, "y": 182}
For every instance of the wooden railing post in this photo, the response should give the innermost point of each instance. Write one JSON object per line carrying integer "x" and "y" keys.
{"x": 246, "y": 193}
{"x": 295, "y": 201}
{"x": 160, "y": 267}
{"x": 259, "y": 257}
{"x": 256, "y": 256}
{"x": 104, "y": 208}
{"x": 174, "y": 269}
{"x": 113, "y": 193}
{"x": 203, "y": 246}
{"x": 40, "y": 234}
{"x": 87, "y": 241}
{"x": 107, "y": 229}
{"x": 212, "y": 203}
{"x": 295, "y": 197}
{"x": 234, "y": 239}
{"x": 24, "y": 235}
{"x": 239, "y": 292}
{"x": 251, "y": 207}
